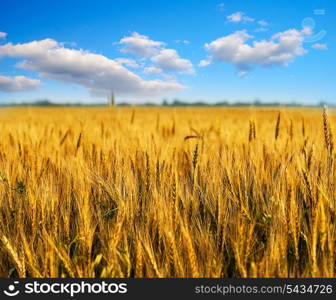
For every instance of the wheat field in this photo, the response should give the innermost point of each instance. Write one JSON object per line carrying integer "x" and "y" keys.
{"x": 167, "y": 192}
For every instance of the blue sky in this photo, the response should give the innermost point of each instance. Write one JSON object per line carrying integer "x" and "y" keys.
{"x": 70, "y": 51}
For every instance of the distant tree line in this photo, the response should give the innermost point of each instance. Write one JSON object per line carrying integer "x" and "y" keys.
{"x": 166, "y": 103}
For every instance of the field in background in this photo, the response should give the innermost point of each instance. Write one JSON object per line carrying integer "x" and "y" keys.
{"x": 167, "y": 192}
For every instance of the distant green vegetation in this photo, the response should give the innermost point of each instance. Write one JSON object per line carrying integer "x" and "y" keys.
{"x": 173, "y": 103}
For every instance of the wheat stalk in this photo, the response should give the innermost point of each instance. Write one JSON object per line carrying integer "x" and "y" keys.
{"x": 19, "y": 264}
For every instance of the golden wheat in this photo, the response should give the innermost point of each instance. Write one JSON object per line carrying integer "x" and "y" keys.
{"x": 167, "y": 192}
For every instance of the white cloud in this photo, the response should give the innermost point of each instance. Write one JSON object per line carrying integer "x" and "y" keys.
{"x": 261, "y": 29}
{"x": 169, "y": 60}
{"x": 96, "y": 72}
{"x": 281, "y": 49}
{"x": 163, "y": 59}
{"x": 152, "y": 70}
{"x": 17, "y": 83}
{"x": 238, "y": 17}
{"x": 140, "y": 45}
{"x": 318, "y": 46}
{"x": 186, "y": 42}
{"x": 262, "y": 23}
{"x": 3, "y": 35}
{"x": 127, "y": 62}
{"x": 205, "y": 62}
{"x": 32, "y": 49}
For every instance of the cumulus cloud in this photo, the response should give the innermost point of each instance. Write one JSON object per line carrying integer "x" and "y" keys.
{"x": 140, "y": 45}
{"x": 318, "y": 46}
{"x": 238, "y": 17}
{"x": 169, "y": 60}
{"x": 96, "y": 72}
{"x": 128, "y": 62}
{"x": 17, "y": 84}
{"x": 162, "y": 58}
{"x": 3, "y": 35}
{"x": 281, "y": 49}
